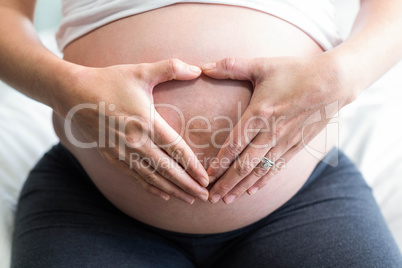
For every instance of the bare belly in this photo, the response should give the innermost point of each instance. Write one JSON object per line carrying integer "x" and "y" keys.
{"x": 196, "y": 34}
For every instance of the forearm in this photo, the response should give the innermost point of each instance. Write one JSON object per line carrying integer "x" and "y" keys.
{"x": 25, "y": 63}
{"x": 373, "y": 47}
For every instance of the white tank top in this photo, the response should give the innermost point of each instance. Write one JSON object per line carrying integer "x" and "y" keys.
{"x": 314, "y": 17}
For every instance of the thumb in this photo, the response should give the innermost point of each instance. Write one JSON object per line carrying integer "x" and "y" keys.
{"x": 231, "y": 68}
{"x": 172, "y": 69}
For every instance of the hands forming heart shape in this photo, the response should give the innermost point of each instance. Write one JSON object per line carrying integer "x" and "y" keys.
{"x": 277, "y": 123}
{"x": 287, "y": 91}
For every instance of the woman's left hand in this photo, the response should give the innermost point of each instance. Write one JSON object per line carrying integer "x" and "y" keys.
{"x": 277, "y": 122}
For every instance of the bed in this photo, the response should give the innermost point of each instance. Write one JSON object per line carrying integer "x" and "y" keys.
{"x": 368, "y": 134}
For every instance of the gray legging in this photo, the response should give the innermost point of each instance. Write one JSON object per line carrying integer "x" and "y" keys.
{"x": 333, "y": 221}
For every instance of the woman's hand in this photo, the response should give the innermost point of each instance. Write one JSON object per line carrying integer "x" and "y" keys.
{"x": 278, "y": 121}
{"x": 112, "y": 108}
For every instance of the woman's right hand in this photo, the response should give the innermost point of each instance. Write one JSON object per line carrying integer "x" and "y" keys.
{"x": 163, "y": 163}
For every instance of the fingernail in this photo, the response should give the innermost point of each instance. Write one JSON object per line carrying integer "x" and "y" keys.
{"x": 253, "y": 190}
{"x": 204, "y": 182}
{"x": 209, "y": 66}
{"x": 164, "y": 197}
{"x": 229, "y": 199}
{"x": 203, "y": 197}
{"x": 215, "y": 198}
{"x": 195, "y": 69}
{"x": 211, "y": 179}
{"x": 189, "y": 200}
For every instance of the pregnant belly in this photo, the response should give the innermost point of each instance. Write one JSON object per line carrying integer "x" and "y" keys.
{"x": 196, "y": 34}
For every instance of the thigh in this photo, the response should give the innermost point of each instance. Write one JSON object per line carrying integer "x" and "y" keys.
{"x": 63, "y": 221}
{"x": 333, "y": 222}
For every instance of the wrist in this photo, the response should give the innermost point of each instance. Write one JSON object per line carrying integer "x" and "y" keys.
{"x": 336, "y": 74}
{"x": 67, "y": 89}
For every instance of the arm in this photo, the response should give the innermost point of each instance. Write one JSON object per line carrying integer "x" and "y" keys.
{"x": 295, "y": 89}
{"x": 30, "y": 68}
{"x": 23, "y": 56}
{"x": 373, "y": 47}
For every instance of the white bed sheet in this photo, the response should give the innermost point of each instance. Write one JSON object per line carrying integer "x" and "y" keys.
{"x": 25, "y": 134}
{"x": 370, "y": 135}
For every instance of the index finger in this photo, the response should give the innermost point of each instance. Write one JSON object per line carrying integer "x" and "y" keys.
{"x": 239, "y": 138}
{"x": 174, "y": 145}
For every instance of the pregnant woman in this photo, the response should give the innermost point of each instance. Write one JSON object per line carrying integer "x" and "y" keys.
{"x": 187, "y": 133}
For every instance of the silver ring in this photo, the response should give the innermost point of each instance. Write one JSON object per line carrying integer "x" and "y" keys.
{"x": 266, "y": 163}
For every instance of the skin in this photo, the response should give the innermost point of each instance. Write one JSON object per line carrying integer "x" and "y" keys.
{"x": 248, "y": 140}
{"x": 203, "y": 97}
{"x": 132, "y": 100}
{"x": 62, "y": 85}
{"x": 336, "y": 87}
